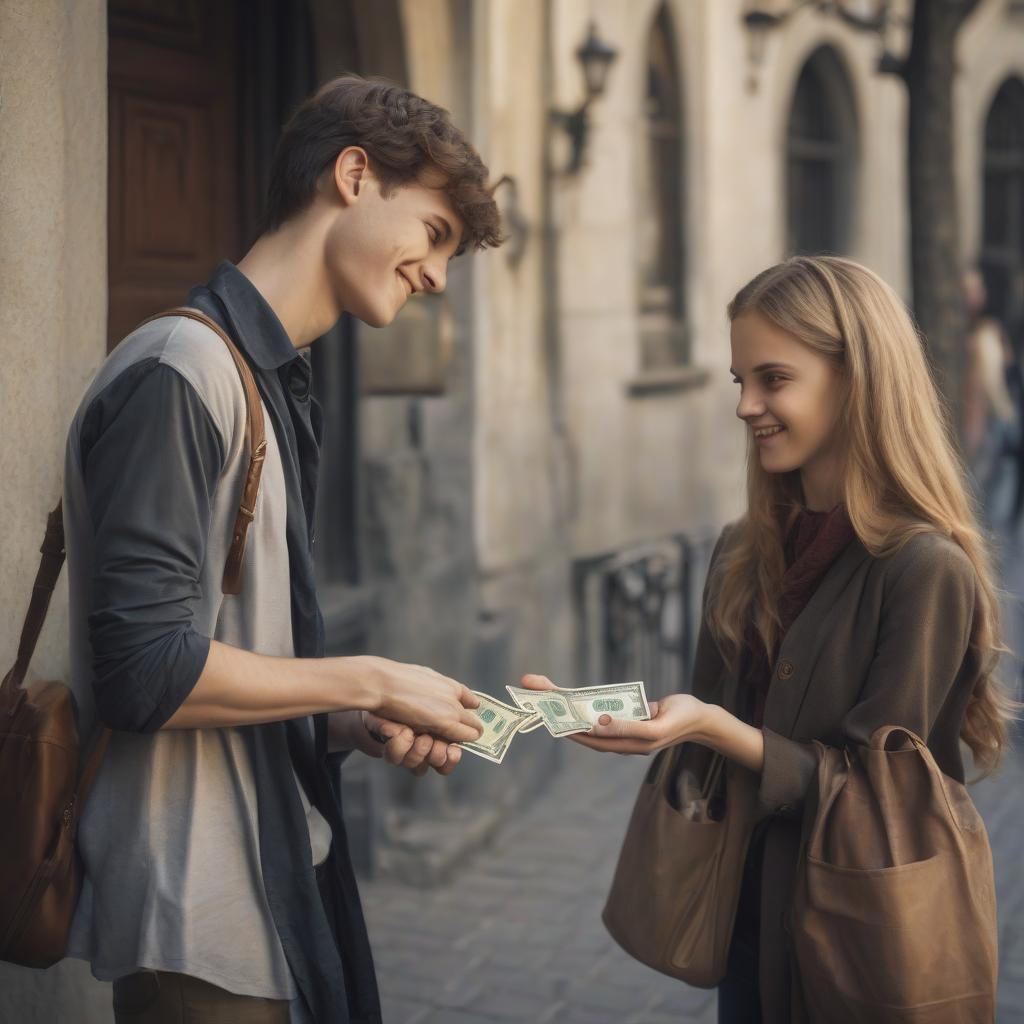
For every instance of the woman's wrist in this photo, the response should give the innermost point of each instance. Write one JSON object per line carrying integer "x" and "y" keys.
{"x": 711, "y": 728}
{"x": 725, "y": 733}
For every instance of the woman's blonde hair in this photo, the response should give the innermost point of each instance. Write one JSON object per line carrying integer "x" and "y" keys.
{"x": 902, "y": 472}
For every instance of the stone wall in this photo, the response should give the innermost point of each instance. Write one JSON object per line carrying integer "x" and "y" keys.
{"x": 53, "y": 288}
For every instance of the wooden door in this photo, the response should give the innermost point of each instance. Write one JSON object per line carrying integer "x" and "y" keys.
{"x": 174, "y": 167}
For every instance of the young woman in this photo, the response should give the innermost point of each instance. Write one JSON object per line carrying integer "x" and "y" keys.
{"x": 856, "y": 591}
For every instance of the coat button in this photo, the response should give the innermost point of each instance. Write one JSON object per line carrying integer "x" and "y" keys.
{"x": 786, "y": 669}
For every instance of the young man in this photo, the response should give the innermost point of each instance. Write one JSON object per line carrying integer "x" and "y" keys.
{"x": 217, "y": 879}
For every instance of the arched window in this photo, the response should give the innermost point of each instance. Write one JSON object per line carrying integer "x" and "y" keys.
{"x": 821, "y": 149}
{"x": 660, "y": 227}
{"x": 1002, "y": 246}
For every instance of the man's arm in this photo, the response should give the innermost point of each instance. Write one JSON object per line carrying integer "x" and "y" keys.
{"x": 152, "y": 456}
{"x": 241, "y": 688}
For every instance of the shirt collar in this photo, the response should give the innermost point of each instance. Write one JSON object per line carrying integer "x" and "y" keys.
{"x": 256, "y": 326}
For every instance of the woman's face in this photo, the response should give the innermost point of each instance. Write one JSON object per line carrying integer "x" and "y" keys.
{"x": 789, "y": 400}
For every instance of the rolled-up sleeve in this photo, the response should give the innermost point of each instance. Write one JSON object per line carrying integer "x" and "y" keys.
{"x": 924, "y": 635}
{"x": 151, "y": 457}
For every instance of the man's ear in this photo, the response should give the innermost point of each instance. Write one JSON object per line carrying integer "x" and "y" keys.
{"x": 351, "y": 174}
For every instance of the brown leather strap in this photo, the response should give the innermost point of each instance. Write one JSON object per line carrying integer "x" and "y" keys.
{"x": 42, "y": 590}
{"x": 53, "y": 551}
{"x": 232, "y": 580}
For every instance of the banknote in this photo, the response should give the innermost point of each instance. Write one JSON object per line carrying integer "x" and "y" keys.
{"x": 621, "y": 700}
{"x": 567, "y": 711}
{"x": 555, "y": 710}
{"x": 501, "y": 723}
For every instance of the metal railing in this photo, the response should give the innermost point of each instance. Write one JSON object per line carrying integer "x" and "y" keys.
{"x": 639, "y": 613}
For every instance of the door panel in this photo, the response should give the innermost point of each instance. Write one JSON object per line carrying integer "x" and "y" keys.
{"x": 173, "y": 175}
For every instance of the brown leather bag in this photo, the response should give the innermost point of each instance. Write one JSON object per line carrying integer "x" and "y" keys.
{"x": 673, "y": 900}
{"x": 894, "y": 911}
{"x": 41, "y": 790}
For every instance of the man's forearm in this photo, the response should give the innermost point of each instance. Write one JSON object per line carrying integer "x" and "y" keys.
{"x": 238, "y": 687}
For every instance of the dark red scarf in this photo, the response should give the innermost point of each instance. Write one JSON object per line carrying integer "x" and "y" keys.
{"x": 811, "y": 543}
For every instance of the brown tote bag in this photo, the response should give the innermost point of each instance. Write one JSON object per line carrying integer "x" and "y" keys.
{"x": 41, "y": 790}
{"x": 673, "y": 900}
{"x": 894, "y": 912}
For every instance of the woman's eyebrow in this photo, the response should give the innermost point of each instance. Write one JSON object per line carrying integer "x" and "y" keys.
{"x": 765, "y": 367}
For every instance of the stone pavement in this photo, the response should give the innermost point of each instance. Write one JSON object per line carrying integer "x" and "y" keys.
{"x": 517, "y": 937}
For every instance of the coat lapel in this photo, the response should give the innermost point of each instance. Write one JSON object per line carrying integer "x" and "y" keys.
{"x": 799, "y": 651}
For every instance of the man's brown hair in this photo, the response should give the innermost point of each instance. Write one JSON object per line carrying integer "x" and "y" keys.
{"x": 405, "y": 138}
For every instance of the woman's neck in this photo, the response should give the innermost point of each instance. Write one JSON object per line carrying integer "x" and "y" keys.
{"x": 822, "y": 485}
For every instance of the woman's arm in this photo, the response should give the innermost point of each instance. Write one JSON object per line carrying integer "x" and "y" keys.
{"x": 676, "y": 718}
{"x": 927, "y": 613}
{"x": 923, "y": 636}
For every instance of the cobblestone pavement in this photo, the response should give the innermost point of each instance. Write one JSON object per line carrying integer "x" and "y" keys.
{"x": 518, "y": 937}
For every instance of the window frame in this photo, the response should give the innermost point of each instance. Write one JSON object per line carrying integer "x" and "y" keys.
{"x": 833, "y": 161}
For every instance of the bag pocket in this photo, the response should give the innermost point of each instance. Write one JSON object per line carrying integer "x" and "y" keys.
{"x": 888, "y": 938}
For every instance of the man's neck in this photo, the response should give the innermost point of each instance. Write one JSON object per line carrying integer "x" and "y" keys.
{"x": 287, "y": 268}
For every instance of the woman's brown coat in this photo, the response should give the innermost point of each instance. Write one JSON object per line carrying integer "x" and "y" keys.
{"x": 883, "y": 641}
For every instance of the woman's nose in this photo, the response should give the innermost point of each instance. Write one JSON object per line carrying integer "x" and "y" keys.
{"x": 750, "y": 405}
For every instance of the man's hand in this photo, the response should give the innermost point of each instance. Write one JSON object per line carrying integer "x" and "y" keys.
{"x": 423, "y": 700}
{"x": 678, "y": 717}
{"x": 397, "y": 744}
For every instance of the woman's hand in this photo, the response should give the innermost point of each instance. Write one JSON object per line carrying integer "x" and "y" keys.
{"x": 397, "y": 744}
{"x": 678, "y": 717}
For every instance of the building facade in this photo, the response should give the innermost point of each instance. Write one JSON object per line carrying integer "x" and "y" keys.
{"x": 523, "y": 474}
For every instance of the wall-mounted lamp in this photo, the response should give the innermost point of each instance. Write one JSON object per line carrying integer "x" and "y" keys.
{"x": 863, "y": 15}
{"x": 596, "y": 58}
{"x": 513, "y": 220}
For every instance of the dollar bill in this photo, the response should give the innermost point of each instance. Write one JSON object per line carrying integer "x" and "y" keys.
{"x": 555, "y": 710}
{"x": 537, "y": 723}
{"x": 621, "y": 700}
{"x": 568, "y": 711}
{"x": 501, "y": 723}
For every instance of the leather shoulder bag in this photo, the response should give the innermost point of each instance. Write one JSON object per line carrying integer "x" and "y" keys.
{"x": 42, "y": 791}
{"x": 676, "y": 888}
{"x": 894, "y": 910}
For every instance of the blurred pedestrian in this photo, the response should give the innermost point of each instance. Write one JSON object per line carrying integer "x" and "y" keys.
{"x": 991, "y": 417}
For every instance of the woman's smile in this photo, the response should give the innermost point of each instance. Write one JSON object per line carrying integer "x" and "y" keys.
{"x": 763, "y": 435}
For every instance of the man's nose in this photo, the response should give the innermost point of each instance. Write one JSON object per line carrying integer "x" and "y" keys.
{"x": 434, "y": 275}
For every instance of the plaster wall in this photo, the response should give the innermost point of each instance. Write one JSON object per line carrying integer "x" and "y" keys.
{"x": 53, "y": 260}
{"x": 648, "y": 464}
{"x": 520, "y": 472}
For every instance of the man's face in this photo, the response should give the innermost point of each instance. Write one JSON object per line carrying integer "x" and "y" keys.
{"x": 379, "y": 251}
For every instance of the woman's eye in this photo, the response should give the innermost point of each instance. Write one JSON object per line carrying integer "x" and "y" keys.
{"x": 434, "y": 235}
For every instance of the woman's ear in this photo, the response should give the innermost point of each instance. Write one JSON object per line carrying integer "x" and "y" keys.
{"x": 351, "y": 173}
